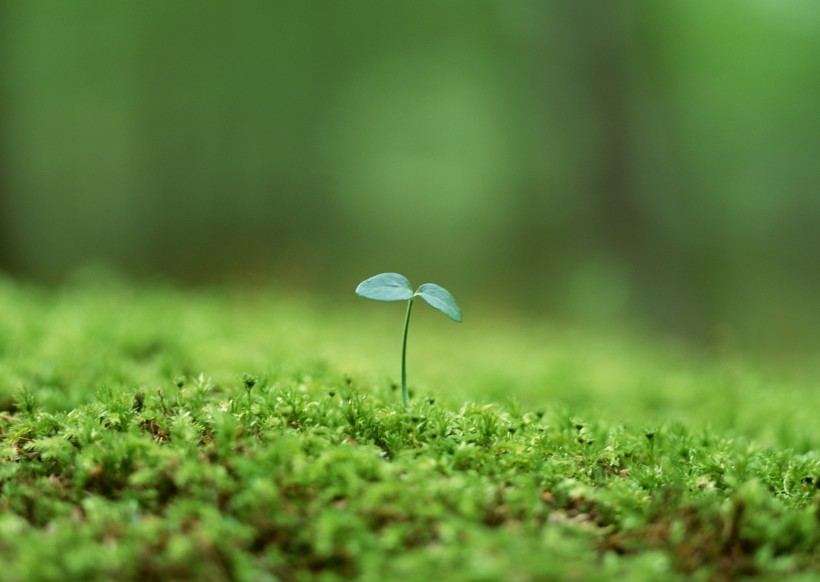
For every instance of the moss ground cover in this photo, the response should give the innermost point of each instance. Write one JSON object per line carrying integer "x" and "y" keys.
{"x": 151, "y": 433}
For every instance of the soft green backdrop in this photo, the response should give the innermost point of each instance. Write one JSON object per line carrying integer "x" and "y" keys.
{"x": 640, "y": 160}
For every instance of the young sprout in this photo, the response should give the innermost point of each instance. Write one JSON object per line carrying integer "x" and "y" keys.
{"x": 395, "y": 287}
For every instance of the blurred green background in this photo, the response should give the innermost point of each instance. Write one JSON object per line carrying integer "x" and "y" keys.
{"x": 642, "y": 161}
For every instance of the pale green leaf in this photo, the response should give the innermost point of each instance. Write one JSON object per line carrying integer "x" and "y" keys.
{"x": 441, "y": 299}
{"x": 386, "y": 287}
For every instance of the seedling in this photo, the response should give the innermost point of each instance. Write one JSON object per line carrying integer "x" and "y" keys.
{"x": 395, "y": 287}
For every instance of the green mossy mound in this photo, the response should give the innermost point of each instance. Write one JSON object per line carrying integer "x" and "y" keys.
{"x": 148, "y": 433}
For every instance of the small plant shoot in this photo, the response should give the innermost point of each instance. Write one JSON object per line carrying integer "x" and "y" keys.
{"x": 395, "y": 287}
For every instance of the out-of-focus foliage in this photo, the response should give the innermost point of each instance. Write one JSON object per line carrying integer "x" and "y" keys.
{"x": 605, "y": 159}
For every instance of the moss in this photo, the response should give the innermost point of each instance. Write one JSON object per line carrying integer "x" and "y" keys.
{"x": 250, "y": 443}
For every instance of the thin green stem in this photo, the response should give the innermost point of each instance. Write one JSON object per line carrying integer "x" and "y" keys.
{"x": 405, "y": 396}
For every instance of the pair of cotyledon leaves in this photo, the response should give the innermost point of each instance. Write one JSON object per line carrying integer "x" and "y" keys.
{"x": 395, "y": 287}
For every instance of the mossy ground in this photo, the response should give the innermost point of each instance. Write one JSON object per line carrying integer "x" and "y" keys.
{"x": 152, "y": 433}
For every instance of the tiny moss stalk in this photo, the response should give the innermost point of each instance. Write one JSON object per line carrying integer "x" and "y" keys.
{"x": 405, "y": 395}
